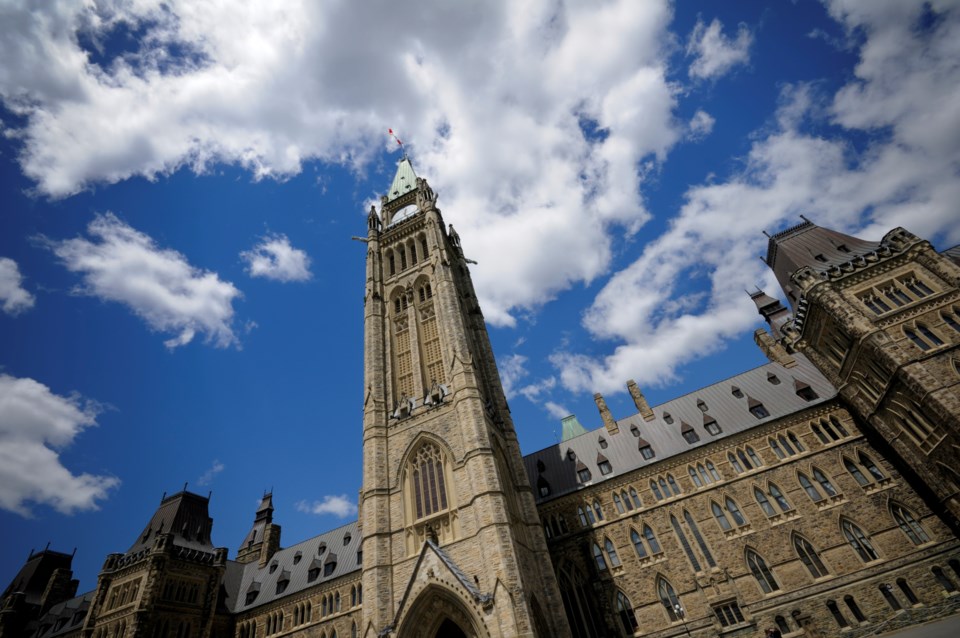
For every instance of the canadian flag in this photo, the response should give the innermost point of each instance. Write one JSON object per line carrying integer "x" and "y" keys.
{"x": 390, "y": 131}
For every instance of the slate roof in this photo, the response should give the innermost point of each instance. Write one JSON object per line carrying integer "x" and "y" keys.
{"x": 33, "y": 577}
{"x": 953, "y": 254}
{"x": 185, "y": 515}
{"x": 341, "y": 545}
{"x": 731, "y": 413}
{"x": 64, "y": 617}
{"x": 807, "y": 244}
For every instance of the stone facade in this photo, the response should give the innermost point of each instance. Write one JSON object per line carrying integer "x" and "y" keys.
{"x": 817, "y": 493}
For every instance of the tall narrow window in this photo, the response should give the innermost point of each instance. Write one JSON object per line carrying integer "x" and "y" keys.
{"x": 870, "y": 466}
{"x": 734, "y": 511}
{"x": 779, "y": 498}
{"x": 651, "y": 540}
{"x": 693, "y": 477}
{"x": 627, "y": 617}
{"x": 429, "y": 484}
{"x": 855, "y": 472}
{"x": 809, "y": 557}
{"x": 617, "y": 503}
{"x": 684, "y": 543}
{"x": 917, "y": 341}
{"x": 907, "y": 591}
{"x": 837, "y": 616}
{"x": 824, "y": 482}
{"x": 697, "y": 536}
{"x": 950, "y": 319}
{"x": 944, "y": 580}
{"x": 431, "y": 351}
{"x": 635, "y": 498}
{"x": 638, "y": 543}
{"x": 859, "y": 541}
{"x": 669, "y": 598}
{"x": 611, "y": 553}
{"x": 758, "y": 567}
{"x": 597, "y": 510}
{"x": 764, "y": 502}
{"x": 908, "y": 524}
{"x": 929, "y": 335}
{"x": 887, "y": 591}
{"x": 598, "y": 557}
{"x": 720, "y": 516}
{"x": 808, "y": 487}
{"x": 854, "y": 608}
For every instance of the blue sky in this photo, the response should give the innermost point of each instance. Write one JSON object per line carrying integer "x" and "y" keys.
{"x": 180, "y": 300}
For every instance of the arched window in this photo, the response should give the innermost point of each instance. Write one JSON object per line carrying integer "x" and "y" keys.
{"x": 673, "y": 485}
{"x": 687, "y": 549}
{"x": 808, "y": 487}
{"x": 635, "y": 498}
{"x": 651, "y": 539}
{"x": 734, "y": 511}
{"x": 625, "y": 610}
{"x": 870, "y": 466}
{"x": 638, "y": 544}
{"x": 692, "y": 524}
{"x": 779, "y": 498}
{"x": 886, "y": 591}
{"x": 917, "y": 341}
{"x": 713, "y": 471}
{"x": 764, "y": 502}
{"x": 353, "y": 630}
{"x": 782, "y": 624}
{"x": 597, "y": 510}
{"x": 598, "y": 557}
{"x": 734, "y": 463}
{"x": 656, "y": 490}
{"x": 720, "y": 516}
{"x": 617, "y": 503}
{"x": 824, "y": 482}
{"x": 611, "y": 553}
{"x": 693, "y": 477}
{"x": 854, "y": 608}
{"x": 855, "y": 472}
{"x": 626, "y": 500}
{"x": 577, "y": 603}
{"x": 809, "y": 557}
{"x": 837, "y": 616}
{"x": 908, "y": 524}
{"x": 929, "y": 335}
{"x": 758, "y": 567}
{"x": 669, "y": 599}
{"x": 944, "y": 580}
{"x": 907, "y": 591}
{"x": 428, "y": 482}
{"x": 950, "y": 318}
{"x": 859, "y": 541}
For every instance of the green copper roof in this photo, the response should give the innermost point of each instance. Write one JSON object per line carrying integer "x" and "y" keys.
{"x": 404, "y": 181}
{"x": 571, "y": 427}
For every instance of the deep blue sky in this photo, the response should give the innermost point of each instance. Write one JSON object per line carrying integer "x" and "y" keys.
{"x": 610, "y": 172}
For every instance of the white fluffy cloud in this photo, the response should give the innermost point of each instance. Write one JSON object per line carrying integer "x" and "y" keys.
{"x": 340, "y": 506}
{"x": 122, "y": 264}
{"x": 554, "y": 149}
{"x": 700, "y": 126}
{"x": 907, "y": 83}
{"x": 35, "y": 424}
{"x": 207, "y": 477}
{"x": 274, "y": 258}
{"x": 14, "y": 299}
{"x": 714, "y": 53}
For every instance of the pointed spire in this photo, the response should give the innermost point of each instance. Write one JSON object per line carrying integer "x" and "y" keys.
{"x": 571, "y": 428}
{"x": 404, "y": 181}
{"x": 773, "y": 312}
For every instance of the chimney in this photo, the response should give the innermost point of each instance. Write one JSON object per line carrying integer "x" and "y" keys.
{"x": 608, "y": 421}
{"x": 773, "y": 350}
{"x": 639, "y": 400}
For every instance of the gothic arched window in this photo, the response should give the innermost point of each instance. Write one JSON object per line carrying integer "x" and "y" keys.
{"x": 809, "y": 557}
{"x": 859, "y": 541}
{"x": 427, "y": 481}
{"x": 669, "y": 598}
{"x": 758, "y": 567}
{"x": 908, "y": 524}
{"x": 627, "y": 617}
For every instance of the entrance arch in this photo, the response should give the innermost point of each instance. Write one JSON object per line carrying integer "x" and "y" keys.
{"x": 439, "y": 613}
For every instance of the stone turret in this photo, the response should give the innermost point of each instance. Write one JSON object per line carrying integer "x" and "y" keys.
{"x": 639, "y": 400}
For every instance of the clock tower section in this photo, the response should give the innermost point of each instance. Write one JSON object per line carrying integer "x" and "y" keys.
{"x": 451, "y": 534}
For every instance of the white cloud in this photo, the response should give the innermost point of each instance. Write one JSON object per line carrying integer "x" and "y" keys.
{"x": 907, "y": 84}
{"x": 340, "y": 506}
{"x": 512, "y": 369}
{"x": 714, "y": 53}
{"x": 159, "y": 285}
{"x": 12, "y": 294}
{"x": 556, "y": 410}
{"x": 700, "y": 126}
{"x": 35, "y": 424}
{"x": 207, "y": 477}
{"x": 274, "y": 258}
{"x": 493, "y": 102}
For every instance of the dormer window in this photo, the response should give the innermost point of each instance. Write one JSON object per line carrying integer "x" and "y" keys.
{"x": 604, "y": 465}
{"x": 634, "y": 430}
{"x": 820, "y": 258}
{"x": 646, "y": 451}
{"x": 543, "y": 487}
{"x": 667, "y": 418}
{"x": 804, "y": 391}
{"x": 737, "y": 392}
{"x": 273, "y": 567}
{"x": 583, "y": 473}
{"x": 757, "y": 409}
{"x": 571, "y": 455}
{"x": 773, "y": 379}
{"x": 710, "y": 425}
{"x": 701, "y": 405}
{"x": 321, "y": 549}
{"x": 602, "y": 442}
{"x": 688, "y": 433}
{"x": 347, "y": 539}
{"x": 297, "y": 557}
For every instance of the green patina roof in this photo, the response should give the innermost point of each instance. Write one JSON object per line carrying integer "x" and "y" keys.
{"x": 571, "y": 427}
{"x": 404, "y": 181}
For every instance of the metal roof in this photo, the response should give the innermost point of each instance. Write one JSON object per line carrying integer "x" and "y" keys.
{"x": 572, "y": 428}
{"x": 293, "y": 565}
{"x": 953, "y": 254}
{"x": 186, "y": 516}
{"x": 810, "y": 245}
{"x": 731, "y": 413}
{"x": 404, "y": 181}
{"x": 64, "y": 617}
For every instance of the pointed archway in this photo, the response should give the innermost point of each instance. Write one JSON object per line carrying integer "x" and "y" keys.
{"x": 439, "y": 613}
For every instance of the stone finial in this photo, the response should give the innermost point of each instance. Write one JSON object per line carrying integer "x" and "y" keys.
{"x": 608, "y": 421}
{"x": 639, "y": 400}
{"x": 772, "y": 349}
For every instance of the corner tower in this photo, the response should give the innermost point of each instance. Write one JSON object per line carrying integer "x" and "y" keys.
{"x": 881, "y": 320}
{"x": 451, "y": 536}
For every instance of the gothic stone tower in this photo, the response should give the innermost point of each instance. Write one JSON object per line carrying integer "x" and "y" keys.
{"x": 452, "y": 543}
{"x": 881, "y": 320}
